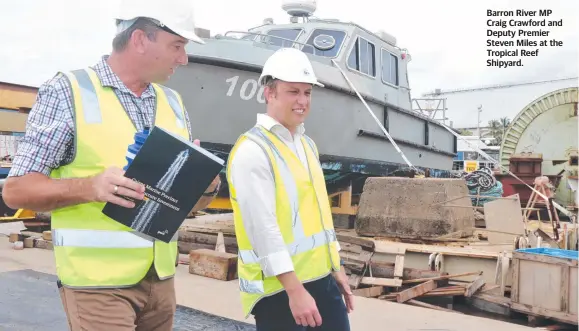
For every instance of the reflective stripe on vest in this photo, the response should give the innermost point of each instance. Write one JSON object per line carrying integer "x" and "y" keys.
{"x": 101, "y": 238}
{"x": 172, "y": 98}
{"x": 89, "y": 98}
{"x": 301, "y": 243}
{"x": 91, "y": 107}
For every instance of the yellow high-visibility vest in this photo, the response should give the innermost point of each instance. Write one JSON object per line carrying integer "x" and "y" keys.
{"x": 303, "y": 213}
{"x": 91, "y": 249}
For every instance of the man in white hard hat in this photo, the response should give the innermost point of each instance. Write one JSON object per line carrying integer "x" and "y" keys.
{"x": 70, "y": 162}
{"x": 289, "y": 270}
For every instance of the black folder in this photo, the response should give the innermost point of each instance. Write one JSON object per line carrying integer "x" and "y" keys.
{"x": 175, "y": 173}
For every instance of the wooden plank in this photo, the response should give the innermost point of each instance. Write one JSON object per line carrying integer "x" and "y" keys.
{"x": 354, "y": 281}
{"x": 545, "y": 259}
{"x": 573, "y": 291}
{"x": 354, "y": 266}
{"x": 220, "y": 243}
{"x": 504, "y": 215}
{"x": 386, "y": 270}
{"x": 456, "y": 235}
{"x": 415, "y": 291}
{"x": 347, "y": 247}
{"x": 209, "y": 229}
{"x": 399, "y": 266}
{"x": 433, "y": 293}
{"x": 14, "y": 237}
{"x": 505, "y": 263}
{"x": 203, "y": 219}
{"x": 383, "y": 246}
{"x": 564, "y": 288}
{"x": 368, "y": 292}
{"x": 213, "y": 264}
{"x": 365, "y": 243}
{"x": 515, "y": 280}
{"x": 490, "y": 303}
{"x": 31, "y": 234}
{"x": 409, "y": 281}
{"x": 474, "y": 286}
{"x": 393, "y": 249}
{"x": 185, "y": 247}
{"x": 492, "y": 289}
{"x": 427, "y": 305}
{"x": 29, "y": 242}
{"x": 356, "y": 257}
{"x": 555, "y": 315}
{"x": 44, "y": 244}
{"x": 365, "y": 256}
{"x": 206, "y": 238}
{"x": 389, "y": 282}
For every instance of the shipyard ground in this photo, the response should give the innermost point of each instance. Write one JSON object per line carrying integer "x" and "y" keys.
{"x": 29, "y": 301}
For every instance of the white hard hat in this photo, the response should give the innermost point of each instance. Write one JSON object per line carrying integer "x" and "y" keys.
{"x": 289, "y": 65}
{"x": 176, "y": 15}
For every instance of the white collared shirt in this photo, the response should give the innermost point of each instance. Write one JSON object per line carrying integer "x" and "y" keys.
{"x": 255, "y": 192}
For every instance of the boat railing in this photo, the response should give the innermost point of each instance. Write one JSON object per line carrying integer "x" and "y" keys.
{"x": 265, "y": 39}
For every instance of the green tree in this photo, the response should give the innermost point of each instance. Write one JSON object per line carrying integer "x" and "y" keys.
{"x": 496, "y": 131}
{"x": 505, "y": 122}
{"x": 465, "y": 132}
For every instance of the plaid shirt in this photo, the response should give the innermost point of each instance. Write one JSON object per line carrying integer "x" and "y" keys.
{"x": 49, "y": 139}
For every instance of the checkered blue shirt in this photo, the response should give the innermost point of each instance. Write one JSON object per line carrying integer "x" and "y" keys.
{"x": 49, "y": 139}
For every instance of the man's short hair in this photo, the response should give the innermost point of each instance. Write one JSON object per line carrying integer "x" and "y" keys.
{"x": 144, "y": 24}
{"x": 271, "y": 82}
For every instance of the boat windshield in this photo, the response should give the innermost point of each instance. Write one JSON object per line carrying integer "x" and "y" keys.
{"x": 321, "y": 42}
{"x": 325, "y": 42}
{"x": 285, "y": 35}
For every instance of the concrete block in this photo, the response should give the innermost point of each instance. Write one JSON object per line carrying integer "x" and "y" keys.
{"x": 402, "y": 207}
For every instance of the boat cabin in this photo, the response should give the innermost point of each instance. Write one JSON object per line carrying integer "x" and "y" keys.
{"x": 374, "y": 56}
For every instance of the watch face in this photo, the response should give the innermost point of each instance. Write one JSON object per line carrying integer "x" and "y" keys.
{"x": 324, "y": 42}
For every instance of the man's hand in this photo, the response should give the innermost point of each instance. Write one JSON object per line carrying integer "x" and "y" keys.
{"x": 109, "y": 185}
{"x": 342, "y": 281}
{"x": 303, "y": 307}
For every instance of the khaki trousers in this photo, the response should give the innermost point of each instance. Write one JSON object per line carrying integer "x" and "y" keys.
{"x": 149, "y": 305}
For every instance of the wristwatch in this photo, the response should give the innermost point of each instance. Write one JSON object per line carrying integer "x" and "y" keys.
{"x": 214, "y": 192}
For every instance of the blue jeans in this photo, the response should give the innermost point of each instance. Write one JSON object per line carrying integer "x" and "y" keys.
{"x": 274, "y": 314}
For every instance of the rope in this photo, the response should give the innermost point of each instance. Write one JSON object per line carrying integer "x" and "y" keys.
{"x": 376, "y": 119}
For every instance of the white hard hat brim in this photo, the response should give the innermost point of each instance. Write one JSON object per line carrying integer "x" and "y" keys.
{"x": 192, "y": 36}
{"x": 262, "y": 81}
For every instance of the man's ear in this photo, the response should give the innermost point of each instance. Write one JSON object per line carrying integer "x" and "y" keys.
{"x": 269, "y": 93}
{"x": 139, "y": 39}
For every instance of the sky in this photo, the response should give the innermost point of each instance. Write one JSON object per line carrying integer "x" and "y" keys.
{"x": 446, "y": 38}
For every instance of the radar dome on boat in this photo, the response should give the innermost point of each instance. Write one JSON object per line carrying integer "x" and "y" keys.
{"x": 299, "y": 7}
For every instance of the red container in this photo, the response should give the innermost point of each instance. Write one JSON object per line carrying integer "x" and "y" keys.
{"x": 511, "y": 185}
{"x": 526, "y": 164}
{"x": 527, "y": 167}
